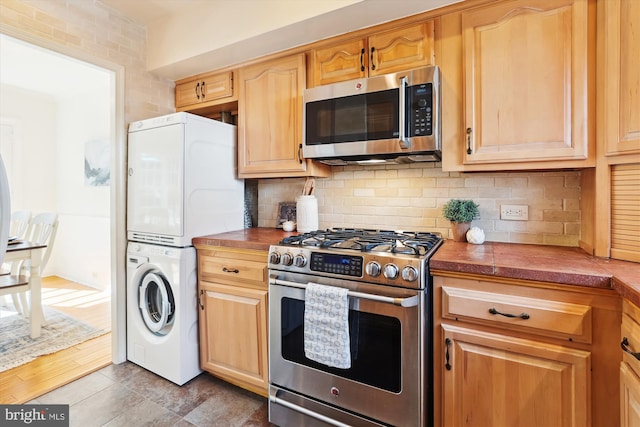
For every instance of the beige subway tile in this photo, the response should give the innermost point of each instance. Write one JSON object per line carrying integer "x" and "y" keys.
{"x": 560, "y": 240}
{"x": 561, "y": 216}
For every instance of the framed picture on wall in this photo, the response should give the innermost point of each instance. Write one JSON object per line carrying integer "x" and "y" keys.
{"x": 286, "y": 212}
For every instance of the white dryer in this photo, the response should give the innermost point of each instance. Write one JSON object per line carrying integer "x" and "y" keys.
{"x": 162, "y": 312}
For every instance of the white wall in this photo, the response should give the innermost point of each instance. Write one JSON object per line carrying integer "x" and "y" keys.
{"x": 48, "y": 174}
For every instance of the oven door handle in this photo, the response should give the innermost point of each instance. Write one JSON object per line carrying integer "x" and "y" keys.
{"x": 306, "y": 411}
{"x": 404, "y": 302}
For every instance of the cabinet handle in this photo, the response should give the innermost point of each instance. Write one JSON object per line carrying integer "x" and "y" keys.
{"x": 447, "y": 343}
{"x": 300, "y": 153}
{"x": 197, "y": 89}
{"x": 373, "y": 65}
{"x": 202, "y": 90}
{"x": 469, "y": 141}
{"x": 523, "y": 316}
{"x": 200, "y": 299}
{"x": 362, "y": 59}
{"x": 625, "y": 347}
{"x": 227, "y": 270}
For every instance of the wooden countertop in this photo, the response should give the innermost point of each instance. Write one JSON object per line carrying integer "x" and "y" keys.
{"x": 555, "y": 264}
{"x": 257, "y": 238}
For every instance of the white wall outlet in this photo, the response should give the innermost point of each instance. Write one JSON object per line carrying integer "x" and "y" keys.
{"x": 514, "y": 212}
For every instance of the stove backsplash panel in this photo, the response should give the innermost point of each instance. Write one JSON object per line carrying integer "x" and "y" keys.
{"x": 401, "y": 197}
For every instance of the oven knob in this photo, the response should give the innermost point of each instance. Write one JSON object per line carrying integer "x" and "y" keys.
{"x": 287, "y": 259}
{"x": 373, "y": 269}
{"x": 409, "y": 273}
{"x": 390, "y": 271}
{"x": 300, "y": 260}
{"x": 274, "y": 258}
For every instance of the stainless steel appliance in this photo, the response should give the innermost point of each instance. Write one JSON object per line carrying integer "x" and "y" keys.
{"x": 388, "y": 118}
{"x": 389, "y": 381}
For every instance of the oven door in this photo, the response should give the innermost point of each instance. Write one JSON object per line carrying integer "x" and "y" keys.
{"x": 386, "y": 381}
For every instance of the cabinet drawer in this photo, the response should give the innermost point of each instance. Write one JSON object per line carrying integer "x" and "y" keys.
{"x": 235, "y": 269}
{"x": 530, "y": 315}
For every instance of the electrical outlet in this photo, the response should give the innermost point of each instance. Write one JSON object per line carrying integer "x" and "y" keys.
{"x": 514, "y": 212}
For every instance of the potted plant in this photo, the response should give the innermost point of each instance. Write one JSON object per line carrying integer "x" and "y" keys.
{"x": 460, "y": 213}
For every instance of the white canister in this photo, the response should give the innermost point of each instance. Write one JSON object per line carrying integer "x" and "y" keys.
{"x": 307, "y": 213}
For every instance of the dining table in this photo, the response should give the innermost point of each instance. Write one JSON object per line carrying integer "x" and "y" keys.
{"x": 32, "y": 252}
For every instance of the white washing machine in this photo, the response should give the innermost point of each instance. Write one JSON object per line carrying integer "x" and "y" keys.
{"x": 162, "y": 312}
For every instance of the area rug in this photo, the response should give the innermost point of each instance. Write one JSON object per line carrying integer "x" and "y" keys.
{"x": 59, "y": 331}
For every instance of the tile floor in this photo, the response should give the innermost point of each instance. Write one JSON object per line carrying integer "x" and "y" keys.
{"x": 129, "y": 396}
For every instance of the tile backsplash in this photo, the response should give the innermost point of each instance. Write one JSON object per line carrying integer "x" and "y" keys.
{"x": 402, "y": 197}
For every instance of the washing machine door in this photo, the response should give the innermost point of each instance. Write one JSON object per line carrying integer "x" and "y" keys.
{"x": 156, "y": 302}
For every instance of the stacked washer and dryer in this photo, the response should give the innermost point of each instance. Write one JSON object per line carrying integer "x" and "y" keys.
{"x": 182, "y": 184}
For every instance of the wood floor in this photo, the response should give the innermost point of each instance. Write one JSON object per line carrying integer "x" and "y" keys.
{"x": 26, "y": 382}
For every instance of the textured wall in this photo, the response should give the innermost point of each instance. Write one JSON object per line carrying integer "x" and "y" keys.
{"x": 411, "y": 197}
{"x": 91, "y": 28}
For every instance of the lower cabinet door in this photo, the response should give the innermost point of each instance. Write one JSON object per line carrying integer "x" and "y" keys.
{"x": 233, "y": 335}
{"x": 629, "y": 397}
{"x": 497, "y": 380}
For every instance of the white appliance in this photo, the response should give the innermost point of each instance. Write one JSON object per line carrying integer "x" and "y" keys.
{"x": 182, "y": 184}
{"x": 162, "y": 317}
{"x": 182, "y": 181}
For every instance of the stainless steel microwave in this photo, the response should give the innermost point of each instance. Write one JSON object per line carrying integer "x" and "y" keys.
{"x": 387, "y": 118}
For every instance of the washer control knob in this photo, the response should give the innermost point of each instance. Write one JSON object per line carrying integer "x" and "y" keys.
{"x": 373, "y": 269}
{"x": 390, "y": 271}
{"x": 274, "y": 258}
{"x": 300, "y": 260}
{"x": 409, "y": 273}
{"x": 287, "y": 259}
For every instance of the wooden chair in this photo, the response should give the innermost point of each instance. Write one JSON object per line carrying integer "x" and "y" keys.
{"x": 20, "y": 221}
{"x": 42, "y": 229}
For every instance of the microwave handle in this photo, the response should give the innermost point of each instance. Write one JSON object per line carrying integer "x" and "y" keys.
{"x": 403, "y": 302}
{"x": 404, "y": 142}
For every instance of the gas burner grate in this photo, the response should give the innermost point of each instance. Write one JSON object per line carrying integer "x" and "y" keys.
{"x": 368, "y": 240}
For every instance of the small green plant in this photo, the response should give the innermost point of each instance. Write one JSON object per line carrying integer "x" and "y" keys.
{"x": 457, "y": 210}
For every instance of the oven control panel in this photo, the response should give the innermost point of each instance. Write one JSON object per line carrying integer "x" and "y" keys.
{"x": 346, "y": 265}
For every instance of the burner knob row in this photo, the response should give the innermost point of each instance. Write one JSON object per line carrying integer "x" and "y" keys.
{"x": 287, "y": 259}
{"x": 409, "y": 273}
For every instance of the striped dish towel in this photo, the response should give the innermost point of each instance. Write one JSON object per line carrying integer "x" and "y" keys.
{"x": 326, "y": 325}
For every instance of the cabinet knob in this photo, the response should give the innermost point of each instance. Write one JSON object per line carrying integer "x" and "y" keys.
{"x": 469, "y": 141}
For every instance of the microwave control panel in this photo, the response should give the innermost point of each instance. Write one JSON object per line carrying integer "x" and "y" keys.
{"x": 420, "y": 109}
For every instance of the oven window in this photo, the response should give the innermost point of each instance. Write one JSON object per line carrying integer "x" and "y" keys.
{"x": 375, "y": 346}
{"x": 365, "y": 117}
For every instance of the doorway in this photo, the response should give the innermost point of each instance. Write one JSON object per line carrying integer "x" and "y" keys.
{"x": 68, "y": 120}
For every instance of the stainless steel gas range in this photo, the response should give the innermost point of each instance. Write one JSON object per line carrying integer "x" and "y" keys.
{"x": 384, "y": 277}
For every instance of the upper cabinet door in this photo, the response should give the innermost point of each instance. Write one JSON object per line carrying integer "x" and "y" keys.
{"x": 387, "y": 52}
{"x": 401, "y": 49}
{"x": 270, "y": 120}
{"x": 206, "y": 88}
{"x": 621, "y": 83}
{"x": 525, "y": 82}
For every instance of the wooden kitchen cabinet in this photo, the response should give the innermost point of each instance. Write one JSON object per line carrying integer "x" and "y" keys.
{"x": 630, "y": 366}
{"x": 386, "y": 52}
{"x": 270, "y": 120}
{"x": 621, "y": 81}
{"x": 232, "y": 299}
{"x": 207, "y": 92}
{"x": 553, "y": 362}
{"x": 499, "y": 380}
{"x": 520, "y": 82}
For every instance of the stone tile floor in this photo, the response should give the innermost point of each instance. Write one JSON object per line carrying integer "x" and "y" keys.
{"x": 130, "y": 396}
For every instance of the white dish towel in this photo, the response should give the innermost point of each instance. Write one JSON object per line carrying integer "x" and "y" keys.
{"x": 326, "y": 325}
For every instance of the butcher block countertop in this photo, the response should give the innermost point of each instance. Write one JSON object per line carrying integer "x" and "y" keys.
{"x": 257, "y": 238}
{"x": 555, "y": 264}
